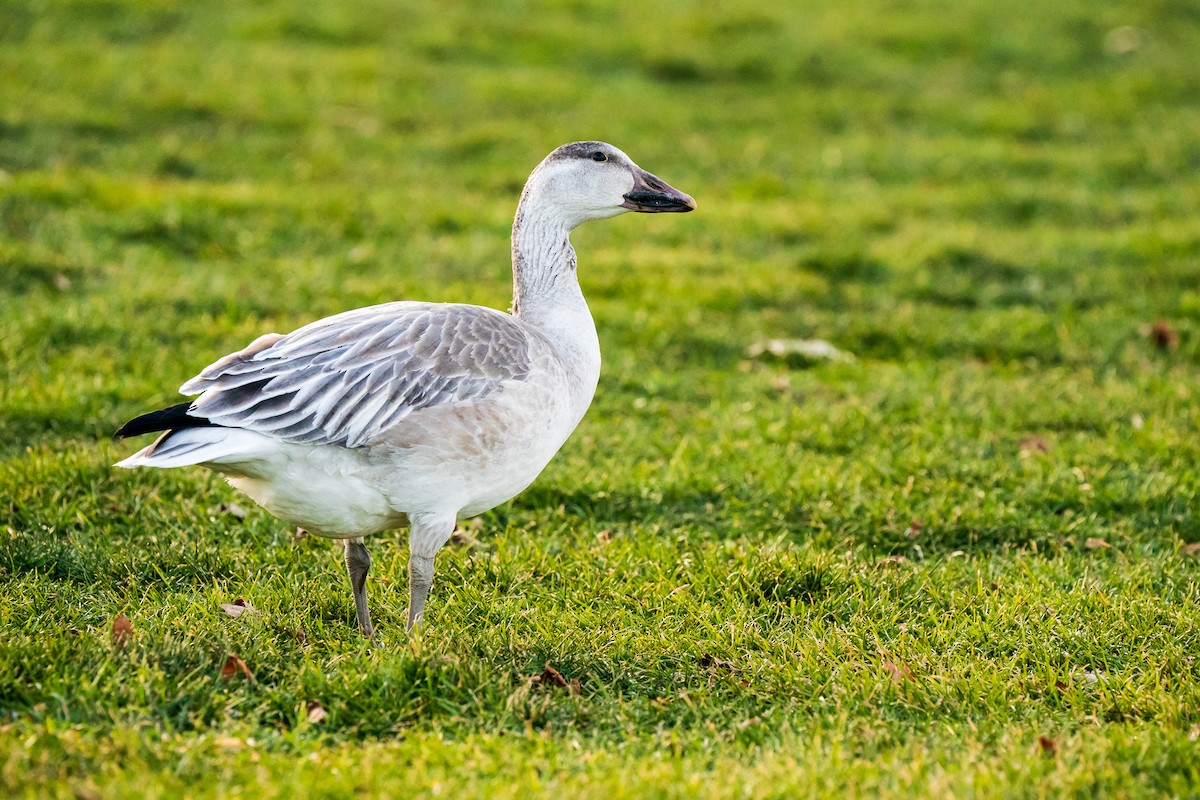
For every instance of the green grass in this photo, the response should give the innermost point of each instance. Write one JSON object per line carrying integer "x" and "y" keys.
{"x": 771, "y": 579}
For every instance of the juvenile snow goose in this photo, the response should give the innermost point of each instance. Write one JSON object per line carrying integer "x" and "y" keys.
{"x": 415, "y": 414}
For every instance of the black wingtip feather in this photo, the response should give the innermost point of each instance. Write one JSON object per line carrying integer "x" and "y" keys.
{"x": 165, "y": 419}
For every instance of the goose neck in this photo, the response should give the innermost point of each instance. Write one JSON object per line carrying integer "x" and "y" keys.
{"x": 544, "y": 277}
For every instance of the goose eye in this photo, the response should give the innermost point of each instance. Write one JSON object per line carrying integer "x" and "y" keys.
{"x": 598, "y": 156}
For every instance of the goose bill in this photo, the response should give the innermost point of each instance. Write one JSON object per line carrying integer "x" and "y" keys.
{"x": 652, "y": 196}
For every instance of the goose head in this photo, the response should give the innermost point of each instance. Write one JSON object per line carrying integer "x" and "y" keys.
{"x": 583, "y": 181}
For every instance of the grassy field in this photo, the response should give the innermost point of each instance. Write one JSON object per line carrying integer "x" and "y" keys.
{"x": 955, "y": 566}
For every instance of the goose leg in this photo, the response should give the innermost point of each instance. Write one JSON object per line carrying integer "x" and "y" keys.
{"x": 427, "y": 535}
{"x": 358, "y": 563}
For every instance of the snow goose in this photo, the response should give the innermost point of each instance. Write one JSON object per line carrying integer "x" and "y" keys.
{"x": 415, "y": 414}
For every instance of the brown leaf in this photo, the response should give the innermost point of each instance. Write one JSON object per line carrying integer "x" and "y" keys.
{"x": 122, "y": 630}
{"x": 238, "y": 607}
{"x": 552, "y": 676}
{"x": 1048, "y": 746}
{"x": 604, "y": 537}
{"x": 233, "y": 666}
{"x": 315, "y": 712}
{"x": 914, "y": 528}
{"x": 898, "y": 673}
{"x": 1062, "y": 687}
{"x": 1192, "y": 549}
{"x": 1163, "y": 337}
{"x": 1095, "y": 543}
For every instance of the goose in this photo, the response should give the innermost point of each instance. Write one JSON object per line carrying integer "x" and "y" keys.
{"x": 414, "y": 414}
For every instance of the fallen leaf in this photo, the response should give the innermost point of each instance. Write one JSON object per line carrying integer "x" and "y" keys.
{"x": 234, "y": 665}
{"x": 467, "y": 533}
{"x": 122, "y": 630}
{"x": 804, "y": 349}
{"x": 238, "y": 607}
{"x": 1192, "y": 549}
{"x": 233, "y": 510}
{"x": 1125, "y": 40}
{"x": 87, "y": 791}
{"x": 1047, "y": 745}
{"x": 1062, "y": 687}
{"x": 296, "y": 633}
{"x": 1095, "y": 543}
{"x": 315, "y": 712}
{"x": 1030, "y": 445}
{"x": 914, "y": 528}
{"x": 1163, "y": 337}
{"x": 604, "y": 537}
{"x": 898, "y": 673}
{"x": 552, "y": 676}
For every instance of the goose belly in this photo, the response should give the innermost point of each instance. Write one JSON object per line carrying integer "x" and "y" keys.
{"x": 453, "y": 460}
{"x": 327, "y": 491}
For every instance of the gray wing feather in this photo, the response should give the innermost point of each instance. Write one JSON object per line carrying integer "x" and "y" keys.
{"x": 349, "y": 378}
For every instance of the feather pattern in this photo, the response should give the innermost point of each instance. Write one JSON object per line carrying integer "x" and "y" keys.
{"x": 348, "y": 379}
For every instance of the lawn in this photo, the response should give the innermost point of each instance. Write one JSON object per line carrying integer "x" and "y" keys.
{"x": 959, "y": 564}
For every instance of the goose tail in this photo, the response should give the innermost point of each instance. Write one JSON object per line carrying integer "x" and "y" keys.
{"x": 190, "y": 446}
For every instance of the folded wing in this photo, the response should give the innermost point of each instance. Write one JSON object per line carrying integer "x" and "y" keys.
{"x": 348, "y": 379}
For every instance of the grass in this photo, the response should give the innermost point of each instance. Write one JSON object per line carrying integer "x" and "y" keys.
{"x": 955, "y": 566}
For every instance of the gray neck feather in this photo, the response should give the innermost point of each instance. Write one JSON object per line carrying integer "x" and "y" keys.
{"x": 544, "y": 277}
